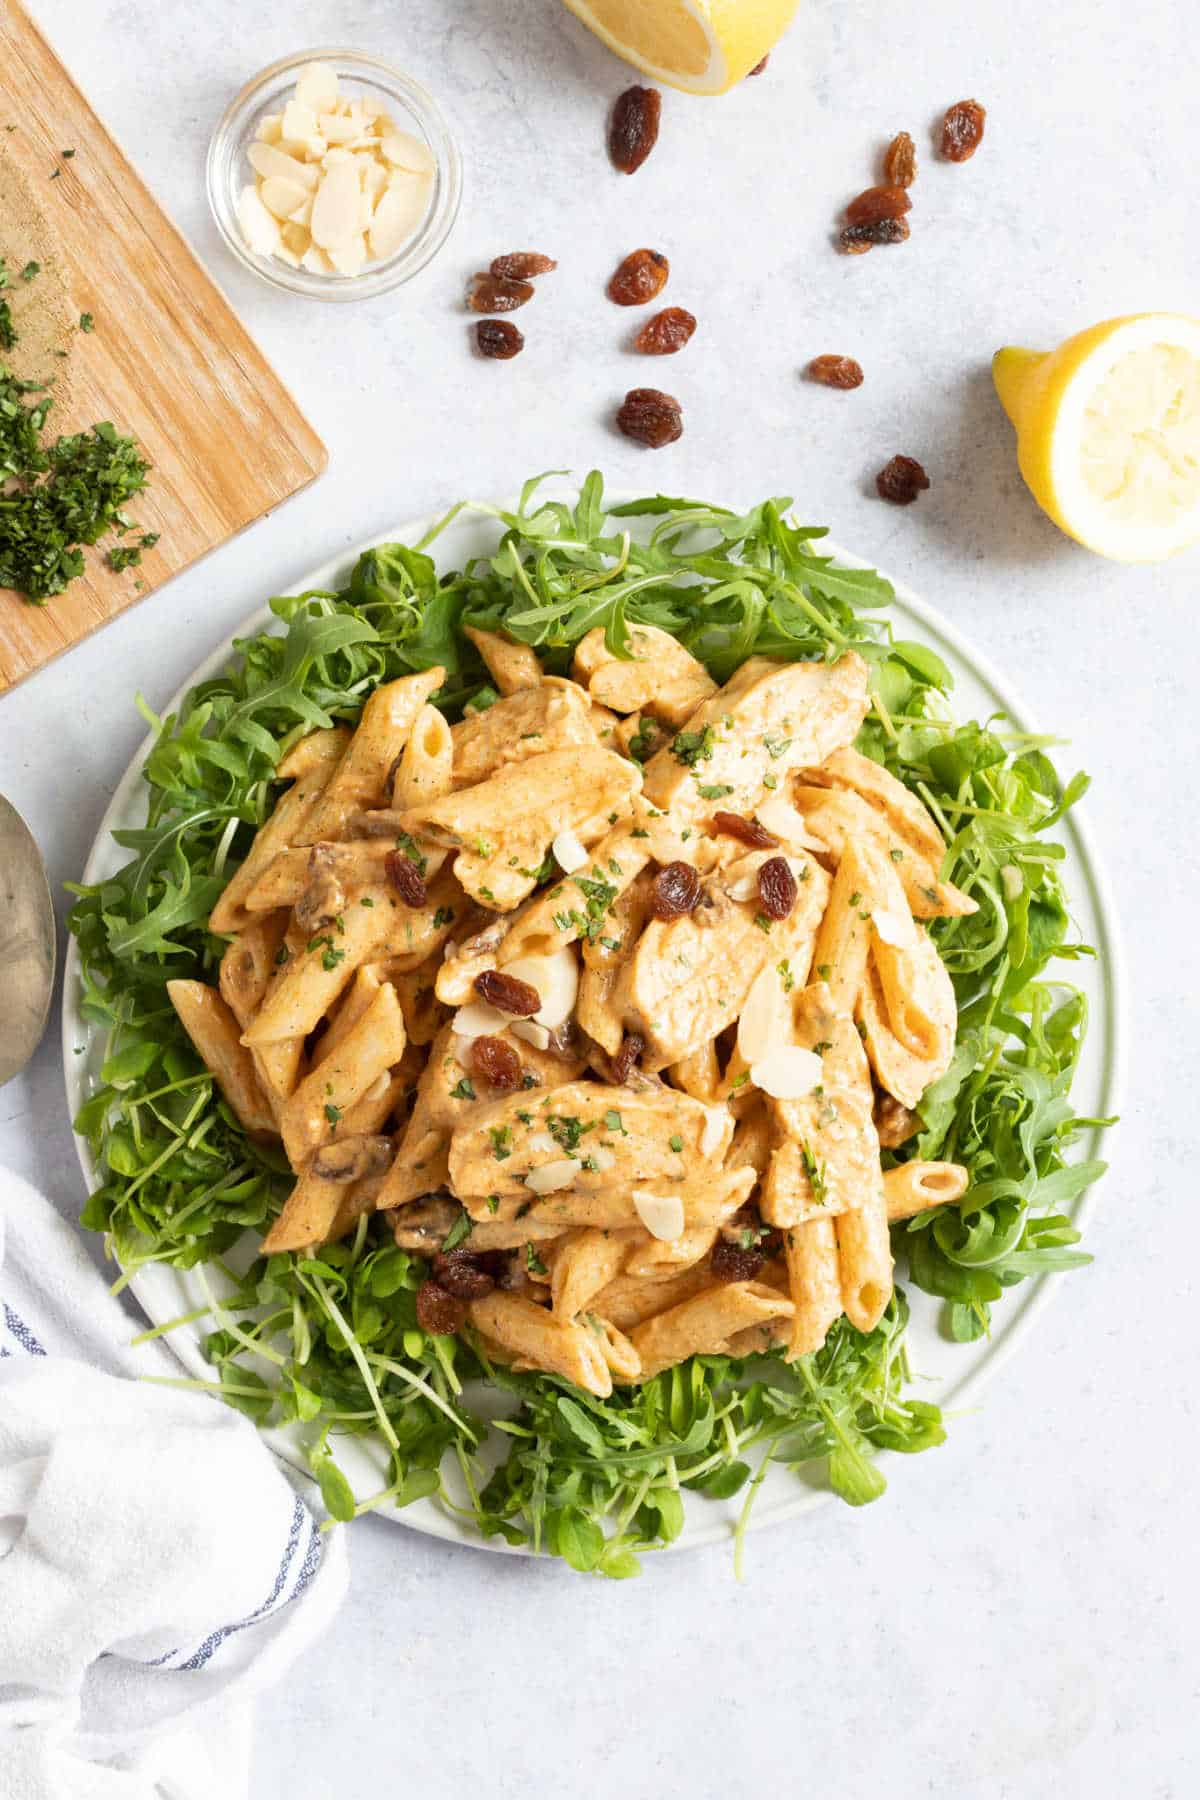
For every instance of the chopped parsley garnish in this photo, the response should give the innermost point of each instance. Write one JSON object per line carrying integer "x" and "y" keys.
{"x": 612, "y": 1119}
{"x": 493, "y": 1203}
{"x": 333, "y": 1114}
{"x": 533, "y": 1261}
{"x": 501, "y": 1136}
{"x": 459, "y": 1232}
{"x": 816, "y": 1174}
{"x": 86, "y": 322}
{"x": 717, "y": 791}
{"x": 762, "y": 921}
{"x": 566, "y": 1130}
{"x": 463, "y": 1090}
{"x": 58, "y": 495}
{"x": 642, "y": 741}
{"x": 677, "y": 1144}
{"x": 412, "y": 850}
{"x": 443, "y": 916}
{"x": 784, "y": 971}
{"x": 776, "y": 746}
{"x": 692, "y": 747}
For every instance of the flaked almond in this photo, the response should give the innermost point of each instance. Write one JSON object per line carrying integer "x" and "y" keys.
{"x": 478, "y": 1019}
{"x": 765, "y": 1022}
{"x": 894, "y": 928}
{"x": 718, "y": 1125}
{"x": 268, "y": 159}
{"x": 260, "y": 228}
{"x": 787, "y": 1073}
{"x": 335, "y": 213}
{"x": 781, "y": 817}
{"x": 529, "y": 1033}
{"x": 556, "y": 978}
{"x": 550, "y": 1177}
{"x": 661, "y": 1214}
{"x": 404, "y": 204}
{"x": 568, "y": 852}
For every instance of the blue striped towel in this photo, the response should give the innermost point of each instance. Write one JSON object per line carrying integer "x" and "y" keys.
{"x": 157, "y": 1567}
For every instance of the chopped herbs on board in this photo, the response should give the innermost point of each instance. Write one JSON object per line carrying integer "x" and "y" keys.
{"x": 331, "y": 1340}
{"x": 56, "y": 496}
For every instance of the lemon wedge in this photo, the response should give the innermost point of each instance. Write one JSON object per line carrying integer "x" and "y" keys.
{"x": 701, "y": 46}
{"x": 1108, "y": 433}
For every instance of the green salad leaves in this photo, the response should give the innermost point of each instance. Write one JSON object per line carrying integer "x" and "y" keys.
{"x": 332, "y": 1340}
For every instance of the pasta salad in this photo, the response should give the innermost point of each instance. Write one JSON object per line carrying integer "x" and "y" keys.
{"x": 588, "y": 972}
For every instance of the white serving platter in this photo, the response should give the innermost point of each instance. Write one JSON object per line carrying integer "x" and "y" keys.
{"x": 945, "y": 1373}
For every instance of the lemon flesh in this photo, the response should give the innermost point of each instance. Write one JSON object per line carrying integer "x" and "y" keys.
{"x": 1141, "y": 443}
{"x": 702, "y": 46}
{"x": 1108, "y": 433}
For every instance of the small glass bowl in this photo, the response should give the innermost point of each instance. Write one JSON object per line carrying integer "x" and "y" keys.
{"x": 414, "y": 109}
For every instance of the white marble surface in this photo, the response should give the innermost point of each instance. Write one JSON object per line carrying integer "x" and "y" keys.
{"x": 1018, "y": 1617}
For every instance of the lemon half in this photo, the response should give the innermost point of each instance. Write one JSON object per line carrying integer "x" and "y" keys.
{"x": 702, "y": 46}
{"x": 1108, "y": 433}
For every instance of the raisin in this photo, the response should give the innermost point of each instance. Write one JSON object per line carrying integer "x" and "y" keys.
{"x": 777, "y": 888}
{"x": 729, "y": 1262}
{"x": 900, "y": 161}
{"x": 498, "y": 338}
{"x": 674, "y": 891}
{"x": 521, "y": 265}
{"x": 856, "y": 240}
{"x": 405, "y": 877}
{"x": 901, "y": 480}
{"x": 461, "y": 1275}
{"x": 962, "y": 130}
{"x": 877, "y": 203}
{"x": 759, "y": 66}
{"x": 508, "y": 993}
{"x": 651, "y": 417}
{"x": 836, "y": 371}
{"x": 439, "y": 1311}
{"x": 496, "y": 1062}
{"x": 638, "y": 279}
{"x": 633, "y": 128}
{"x": 667, "y": 332}
{"x": 747, "y": 831}
{"x": 628, "y": 1056}
{"x": 494, "y": 294}
{"x": 894, "y": 1123}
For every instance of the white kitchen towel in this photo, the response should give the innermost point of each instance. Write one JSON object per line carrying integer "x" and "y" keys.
{"x": 157, "y": 1568}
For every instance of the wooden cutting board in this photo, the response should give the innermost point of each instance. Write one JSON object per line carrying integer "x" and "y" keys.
{"x": 167, "y": 362}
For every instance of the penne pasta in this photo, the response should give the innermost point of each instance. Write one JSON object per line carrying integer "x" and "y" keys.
{"x": 814, "y": 1284}
{"x": 844, "y": 940}
{"x": 533, "y": 1335}
{"x": 367, "y": 1051}
{"x": 865, "y": 1261}
{"x": 308, "y": 1213}
{"x": 426, "y": 765}
{"x": 915, "y": 1187}
{"x": 512, "y": 666}
{"x": 706, "y": 1324}
{"x": 362, "y": 777}
{"x": 318, "y": 751}
{"x": 213, "y": 1030}
{"x": 584, "y": 1263}
{"x": 249, "y": 963}
{"x": 292, "y": 815}
{"x": 630, "y": 1300}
